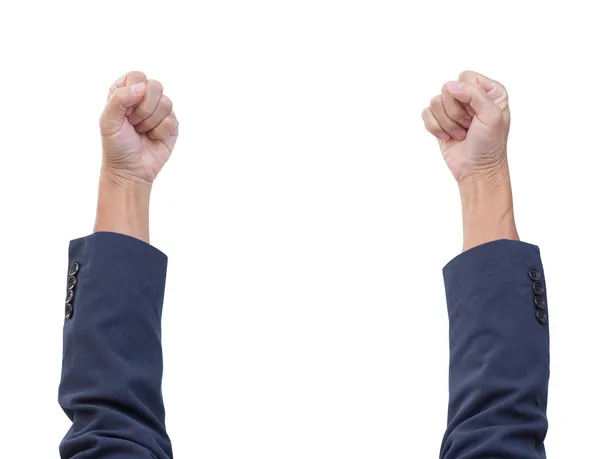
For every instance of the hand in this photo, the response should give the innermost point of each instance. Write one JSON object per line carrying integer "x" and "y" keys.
{"x": 138, "y": 128}
{"x": 471, "y": 120}
{"x": 139, "y": 131}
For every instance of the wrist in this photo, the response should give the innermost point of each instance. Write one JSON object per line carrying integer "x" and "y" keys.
{"x": 487, "y": 208}
{"x": 123, "y": 205}
{"x": 125, "y": 176}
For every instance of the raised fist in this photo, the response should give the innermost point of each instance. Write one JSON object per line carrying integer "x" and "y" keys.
{"x": 471, "y": 120}
{"x": 138, "y": 128}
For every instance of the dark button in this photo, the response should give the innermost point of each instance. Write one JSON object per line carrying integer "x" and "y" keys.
{"x": 534, "y": 275}
{"x": 74, "y": 269}
{"x": 71, "y": 282}
{"x": 538, "y": 288}
{"x": 69, "y": 296}
{"x": 541, "y": 316}
{"x": 68, "y": 311}
{"x": 539, "y": 302}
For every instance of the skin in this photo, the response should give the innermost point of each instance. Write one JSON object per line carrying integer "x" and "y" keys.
{"x": 471, "y": 120}
{"x": 139, "y": 130}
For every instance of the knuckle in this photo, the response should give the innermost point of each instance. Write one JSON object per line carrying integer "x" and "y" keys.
{"x": 455, "y": 111}
{"x": 432, "y": 128}
{"x": 143, "y": 112}
{"x": 435, "y": 102}
{"x": 429, "y": 122}
{"x": 158, "y": 133}
{"x": 173, "y": 124}
{"x": 445, "y": 87}
{"x": 470, "y": 88}
{"x": 165, "y": 128}
{"x": 155, "y": 85}
{"x": 503, "y": 90}
{"x": 166, "y": 103}
{"x": 141, "y": 128}
{"x": 466, "y": 75}
{"x": 136, "y": 76}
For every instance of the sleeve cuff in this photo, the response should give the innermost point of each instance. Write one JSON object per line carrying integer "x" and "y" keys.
{"x": 498, "y": 290}
{"x": 112, "y": 262}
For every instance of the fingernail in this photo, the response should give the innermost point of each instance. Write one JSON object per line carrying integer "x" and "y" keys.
{"x": 137, "y": 89}
{"x": 443, "y": 135}
{"x": 459, "y": 134}
{"x": 466, "y": 122}
{"x": 454, "y": 86}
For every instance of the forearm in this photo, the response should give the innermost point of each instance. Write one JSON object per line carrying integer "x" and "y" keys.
{"x": 499, "y": 353}
{"x": 112, "y": 357}
{"x": 499, "y": 357}
{"x": 487, "y": 211}
{"x": 123, "y": 206}
{"x": 112, "y": 366}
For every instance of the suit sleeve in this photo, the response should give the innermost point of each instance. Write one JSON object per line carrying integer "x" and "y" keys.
{"x": 499, "y": 353}
{"x": 111, "y": 379}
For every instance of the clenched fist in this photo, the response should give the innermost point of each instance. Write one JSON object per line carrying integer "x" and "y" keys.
{"x": 138, "y": 128}
{"x": 471, "y": 120}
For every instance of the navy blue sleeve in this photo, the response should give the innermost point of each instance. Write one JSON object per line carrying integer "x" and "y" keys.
{"x": 112, "y": 356}
{"x": 499, "y": 353}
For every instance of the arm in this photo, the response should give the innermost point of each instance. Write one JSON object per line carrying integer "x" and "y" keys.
{"x": 499, "y": 349}
{"x": 112, "y": 355}
{"x": 499, "y": 342}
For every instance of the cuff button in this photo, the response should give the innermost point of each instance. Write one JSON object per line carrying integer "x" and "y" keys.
{"x": 538, "y": 288}
{"x": 539, "y": 302}
{"x": 69, "y": 296}
{"x": 71, "y": 282}
{"x": 74, "y": 269}
{"x": 68, "y": 311}
{"x": 541, "y": 316}
{"x": 534, "y": 275}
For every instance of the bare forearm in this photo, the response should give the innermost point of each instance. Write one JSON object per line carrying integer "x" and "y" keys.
{"x": 487, "y": 208}
{"x": 123, "y": 207}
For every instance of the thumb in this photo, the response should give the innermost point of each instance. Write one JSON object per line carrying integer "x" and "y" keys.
{"x": 117, "y": 106}
{"x": 475, "y": 96}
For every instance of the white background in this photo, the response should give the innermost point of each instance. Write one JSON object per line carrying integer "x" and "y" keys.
{"x": 306, "y": 213}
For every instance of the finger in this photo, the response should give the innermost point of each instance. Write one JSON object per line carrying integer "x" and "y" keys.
{"x": 147, "y": 106}
{"x": 468, "y": 76}
{"x": 165, "y": 128}
{"x": 455, "y": 110}
{"x": 172, "y": 137}
{"x": 122, "y": 100}
{"x": 494, "y": 89}
{"x": 446, "y": 123}
{"x": 432, "y": 126}
{"x": 128, "y": 79}
{"x": 475, "y": 96}
{"x": 164, "y": 107}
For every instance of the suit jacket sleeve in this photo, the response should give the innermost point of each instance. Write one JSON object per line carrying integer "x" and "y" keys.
{"x": 112, "y": 357}
{"x": 499, "y": 353}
